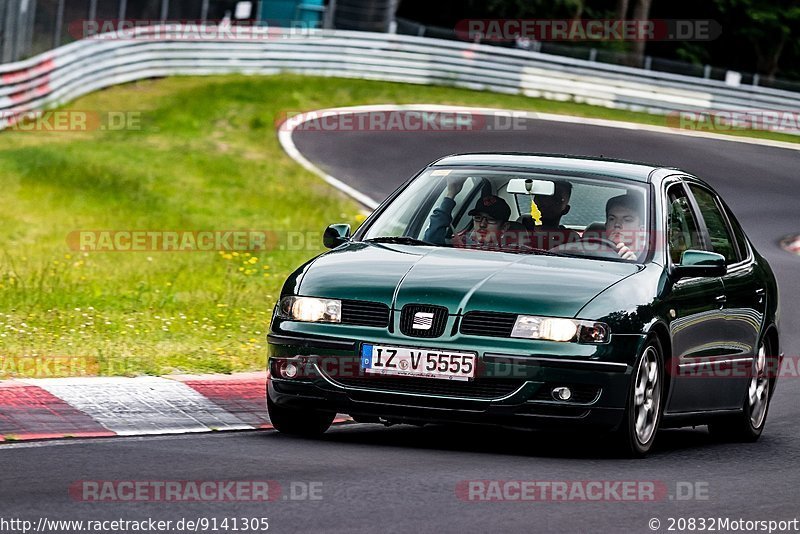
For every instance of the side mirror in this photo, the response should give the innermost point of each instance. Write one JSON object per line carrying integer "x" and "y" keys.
{"x": 695, "y": 263}
{"x": 335, "y": 235}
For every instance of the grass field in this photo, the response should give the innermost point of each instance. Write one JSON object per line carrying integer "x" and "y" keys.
{"x": 206, "y": 157}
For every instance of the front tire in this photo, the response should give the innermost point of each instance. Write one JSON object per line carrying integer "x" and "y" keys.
{"x": 748, "y": 425}
{"x": 298, "y": 422}
{"x": 637, "y": 431}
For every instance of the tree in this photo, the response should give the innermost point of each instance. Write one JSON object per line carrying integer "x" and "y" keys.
{"x": 768, "y": 25}
{"x": 641, "y": 11}
{"x": 622, "y": 9}
{"x": 529, "y": 8}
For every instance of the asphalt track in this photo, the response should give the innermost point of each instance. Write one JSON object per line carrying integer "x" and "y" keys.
{"x": 404, "y": 479}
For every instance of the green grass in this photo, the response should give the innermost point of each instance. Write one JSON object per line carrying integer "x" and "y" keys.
{"x": 207, "y": 157}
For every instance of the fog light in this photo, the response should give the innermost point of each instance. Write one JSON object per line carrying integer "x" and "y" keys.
{"x": 562, "y": 393}
{"x": 289, "y": 370}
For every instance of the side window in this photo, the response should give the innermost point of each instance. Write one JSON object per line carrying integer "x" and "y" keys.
{"x": 741, "y": 240}
{"x": 721, "y": 240}
{"x": 474, "y": 188}
{"x": 682, "y": 229}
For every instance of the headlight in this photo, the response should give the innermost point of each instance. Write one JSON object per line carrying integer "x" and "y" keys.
{"x": 554, "y": 329}
{"x": 311, "y": 310}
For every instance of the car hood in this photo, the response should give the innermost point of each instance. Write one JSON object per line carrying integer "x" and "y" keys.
{"x": 460, "y": 279}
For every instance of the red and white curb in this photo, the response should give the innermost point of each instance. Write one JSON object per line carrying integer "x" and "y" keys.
{"x": 115, "y": 406}
{"x": 791, "y": 244}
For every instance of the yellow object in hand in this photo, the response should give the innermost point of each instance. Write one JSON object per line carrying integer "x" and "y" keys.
{"x": 535, "y": 213}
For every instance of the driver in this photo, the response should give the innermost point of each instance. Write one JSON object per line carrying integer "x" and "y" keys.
{"x": 624, "y": 223}
{"x": 490, "y": 219}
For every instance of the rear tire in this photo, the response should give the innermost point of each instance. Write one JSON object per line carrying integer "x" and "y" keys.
{"x": 299, "y": 422}
{"x": 637, "y": 431}
{"x": 748, "y": 425}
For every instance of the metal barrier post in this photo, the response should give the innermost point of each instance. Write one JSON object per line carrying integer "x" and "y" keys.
{"x": 329, "y": 13}
{"x": 59, "y": 24}
{"x": 8, "y": 30}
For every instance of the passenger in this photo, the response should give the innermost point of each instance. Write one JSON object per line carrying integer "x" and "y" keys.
{"x": 490, "y": 218}
{"x": 551, "y": 233}
{"x": 624, "y": 224}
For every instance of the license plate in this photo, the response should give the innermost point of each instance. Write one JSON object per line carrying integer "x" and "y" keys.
{"x": 426, "y": 363}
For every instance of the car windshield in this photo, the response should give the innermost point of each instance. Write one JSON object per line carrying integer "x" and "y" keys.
{"x": 518, "y": 212}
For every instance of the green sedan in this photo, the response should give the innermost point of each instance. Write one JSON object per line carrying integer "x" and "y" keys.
{"x": 533, "y": 291}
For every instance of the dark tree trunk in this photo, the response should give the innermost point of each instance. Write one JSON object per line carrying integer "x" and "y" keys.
{"x": 641, "y": 11}
{"x": 622, "y": 8}
{"x": 768, "y": 61}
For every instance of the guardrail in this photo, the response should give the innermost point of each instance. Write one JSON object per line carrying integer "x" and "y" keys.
{"x": 58, "y": 76}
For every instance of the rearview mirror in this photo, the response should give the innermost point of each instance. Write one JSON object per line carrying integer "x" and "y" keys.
{"x": 695, "y": 263}
{"x": 527, "y": 186}
{"x": 335, "y": 235}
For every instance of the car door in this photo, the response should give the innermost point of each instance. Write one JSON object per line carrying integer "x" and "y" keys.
{"x": 744, "y": 296}
{"x": 695, "y": 311}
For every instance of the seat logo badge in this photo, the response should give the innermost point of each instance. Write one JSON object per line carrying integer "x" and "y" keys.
{"x": 422, "y": 321}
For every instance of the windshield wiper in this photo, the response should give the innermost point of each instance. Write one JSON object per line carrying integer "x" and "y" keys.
{"x": 400, "y": 240}
{"x": 534, "y": 251}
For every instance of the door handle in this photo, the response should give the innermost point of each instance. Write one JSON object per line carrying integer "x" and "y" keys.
{"x": 760, "y": 292}
{"x": 721, "y": 299}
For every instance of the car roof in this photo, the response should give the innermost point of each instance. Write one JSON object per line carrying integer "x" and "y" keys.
{"x": 629, "y": 170}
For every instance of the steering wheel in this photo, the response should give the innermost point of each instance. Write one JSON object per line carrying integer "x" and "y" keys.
{"x": 601, "y": 241}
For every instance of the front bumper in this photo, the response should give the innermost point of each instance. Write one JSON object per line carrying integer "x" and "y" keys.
{"x": 512, "y": 387}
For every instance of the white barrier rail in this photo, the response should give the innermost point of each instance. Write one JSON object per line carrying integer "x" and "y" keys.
{"x": 63, "y": 74}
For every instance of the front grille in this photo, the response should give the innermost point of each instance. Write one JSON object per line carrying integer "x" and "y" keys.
{"x": 490, "y": 324}
{"x": 362, "y": 313}
{"x": 581, "y": 393}
{"x": 408, "y": 318}
{"x": 487, "y": 388}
